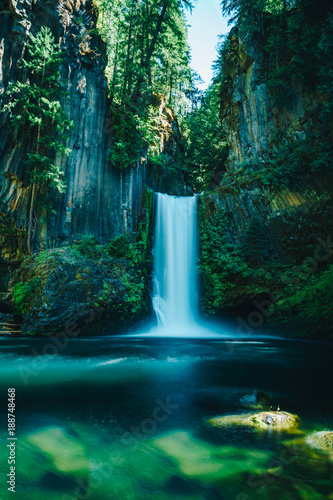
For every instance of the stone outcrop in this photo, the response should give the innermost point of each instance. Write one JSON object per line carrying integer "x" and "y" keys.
{"x": 166, "y": 175}
{"x": 106, "y": 199}
{"x": 257, "y": 122}
{"x": 250, "y": 113}
{"x": 286, "y": 217}
{"x": 268, "y": 420}
{"x": 65, "y": 292}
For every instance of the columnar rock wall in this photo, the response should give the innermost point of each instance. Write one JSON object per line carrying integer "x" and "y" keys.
{"x": 251, "y": 115}
{"x": 106, "y": 199}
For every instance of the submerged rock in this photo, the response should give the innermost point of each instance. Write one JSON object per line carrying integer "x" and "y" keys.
{"x": 197, "y": 459}
{"x": 274, "y": 420}
{"x": 64, "y": 453}
{"x": 309, "y": 456}
{"x": 256, "y": 400}
{"x": 322, "y": 440}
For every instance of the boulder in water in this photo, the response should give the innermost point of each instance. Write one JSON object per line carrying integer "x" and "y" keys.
{"x": 273, "y": 420}
{"x": 65, "y": 453}
{"x": 322, "y": 440}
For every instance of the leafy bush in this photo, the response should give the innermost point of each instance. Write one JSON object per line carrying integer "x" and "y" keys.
{"x": 23, "y": 293}
{"x": 309, "y": 306}
{"x": 221, "y": 263}
{"x": 122, "y": 248}
{"x": 88, "y": 247}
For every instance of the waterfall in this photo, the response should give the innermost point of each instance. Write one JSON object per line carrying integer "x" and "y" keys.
{"x": 175, "y": 279}
{"x": 175, "y": 297}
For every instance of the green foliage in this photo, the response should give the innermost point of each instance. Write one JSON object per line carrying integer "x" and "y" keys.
{"x": 290, "y": 160}
{"x": 207, "y": 148}
{"x": 8, "y": 228}
{"x": 126, "y": 137}
{"x": 221, "y": 262}
{"x": 23, "y": 293}
{"x": 122, "y": 248}
{"x": 325, "y": 71}
{"x": 308, "y": 307}
{"x": 255, "y": 245}
{"x": 88, "y": 247}
{"x": 34, "y": 104}
{"x": 148, "y": 55}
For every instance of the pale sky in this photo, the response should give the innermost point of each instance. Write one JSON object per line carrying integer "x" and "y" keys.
{"x": 206, "y": 23}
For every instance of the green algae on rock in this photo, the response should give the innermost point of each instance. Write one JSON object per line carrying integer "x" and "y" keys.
{"x": 322, "y": 440}
{"x": 65, "y": 453}
{"x": 267, "y": 420}
{"x": 206, "y": 462}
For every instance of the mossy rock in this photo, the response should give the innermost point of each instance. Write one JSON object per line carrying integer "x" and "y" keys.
{"x": 274, "y": 484}
{"x": 205, "y": 462}
{"x": 322, "y": 440}
{"x": 66, "y": 453}
{"x": 267, "y": 420}
{"x": 63, "y": 292}
{"x": 309, "y": 455}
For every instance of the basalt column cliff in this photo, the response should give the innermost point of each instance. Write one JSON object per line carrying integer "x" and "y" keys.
{"x": 99, "y": 200}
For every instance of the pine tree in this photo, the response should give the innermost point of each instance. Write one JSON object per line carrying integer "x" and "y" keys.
{"x": 35, "y": 103}
{"x": 148, "y": 54}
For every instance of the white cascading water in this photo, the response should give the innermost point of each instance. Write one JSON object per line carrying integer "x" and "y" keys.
{"x": 175, "y": 298}
{"x": 176, "y": 284}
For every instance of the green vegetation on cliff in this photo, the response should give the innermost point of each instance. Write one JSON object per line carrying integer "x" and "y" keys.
{"x": 207, "y": 148}
{"x": 294, "y": 41}
{"x": 222, "y": 267}
{"x": 87, "y": 287}
{"x": 305, "y": 309}
{"x": 35, "y": 104}
{"x": 148, "y": 56}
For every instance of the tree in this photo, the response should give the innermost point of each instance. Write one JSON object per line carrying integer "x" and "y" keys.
{"x": 35, "y": 103}
{"x": 148, "y": 54}
{"x": 207, "y": 148}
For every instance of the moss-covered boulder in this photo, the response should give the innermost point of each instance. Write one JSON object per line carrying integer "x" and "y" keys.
{"x": 322, "y": 440}
{"x": 68, "y": 291}
{"x": 310, "y": 455}
{"x": 65, "y": 453}
{"x": 266, "y": 420}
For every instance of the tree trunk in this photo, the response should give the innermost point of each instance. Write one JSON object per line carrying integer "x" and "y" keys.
{"x": 114, "y": 76}
{"x": 136, "y": 92}
{"x": 32, "y": 202}
{"x": 126, "y": 73}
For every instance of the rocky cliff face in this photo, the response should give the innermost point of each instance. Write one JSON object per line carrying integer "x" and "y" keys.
{"x": 257, "y": 122}
{"x": 105, "y": 199}
{"x": 166, "y": 175}
{"x": 251, "y": 114}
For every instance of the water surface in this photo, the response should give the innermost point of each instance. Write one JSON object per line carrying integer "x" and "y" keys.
{"x": 127, "y": 418}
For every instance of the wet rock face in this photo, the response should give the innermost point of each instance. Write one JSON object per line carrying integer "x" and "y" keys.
{"x": 106, "y": 199}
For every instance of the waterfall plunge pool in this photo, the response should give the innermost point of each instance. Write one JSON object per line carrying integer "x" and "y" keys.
{"x": 127, "y": 418}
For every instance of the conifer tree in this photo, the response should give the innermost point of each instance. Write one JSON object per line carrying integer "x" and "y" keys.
{"x": 34, "y": 103}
